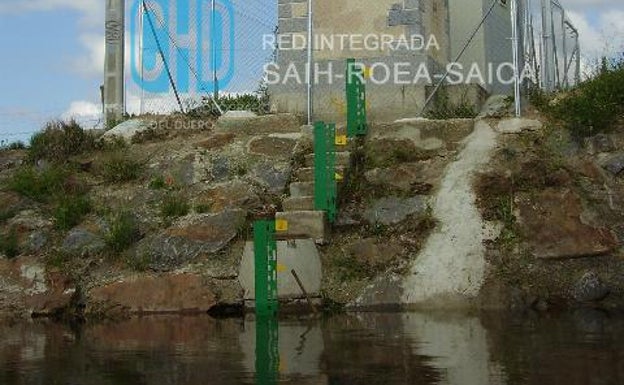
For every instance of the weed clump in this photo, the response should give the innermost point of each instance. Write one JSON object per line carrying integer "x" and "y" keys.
{"x": 173, "y": 206}
{"x": 120, "y": 168}
{"x": 591, "y": 107}
{"x": 9, "y": 245}
{"x": 59, "y": 140}
{"x": 123, "y": 231}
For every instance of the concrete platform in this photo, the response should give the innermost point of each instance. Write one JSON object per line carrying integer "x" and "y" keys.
{"x": 298, "y": 254}
{"x": 305, "y": 224}
{"x": 298, "y": 203}
{"x": 301, "y": 189}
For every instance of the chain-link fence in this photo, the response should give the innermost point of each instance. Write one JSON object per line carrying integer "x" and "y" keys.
{"x": 442, "y": 57}
{"x": 191, "y": 55}
{"x": 560, "y": 49}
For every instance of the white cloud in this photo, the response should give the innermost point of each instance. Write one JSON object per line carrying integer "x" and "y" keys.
{"x": 92, "y": 62}
{"x": 86, "y": 113}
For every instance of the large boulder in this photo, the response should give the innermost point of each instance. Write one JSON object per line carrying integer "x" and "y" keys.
{"x": 146, "y": 293}
{"x": 393, "y": 210}
{"x": 590, "y": 288}
{"x": 192, "y": 237}
{"x": 551, "y": 222}
{"x": 230, "y": 195}
{"x": 83, "y": 242}
{"x": 28, "y": 286}
{"x": 272, "y": 176}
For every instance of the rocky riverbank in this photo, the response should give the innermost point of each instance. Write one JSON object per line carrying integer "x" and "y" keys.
{"x": 492, "y": 213}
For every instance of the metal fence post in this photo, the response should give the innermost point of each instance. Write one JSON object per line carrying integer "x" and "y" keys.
{"x": 265, "y": 272}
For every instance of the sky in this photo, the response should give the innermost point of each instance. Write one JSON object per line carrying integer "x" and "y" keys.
{"x": 53, "y": 57}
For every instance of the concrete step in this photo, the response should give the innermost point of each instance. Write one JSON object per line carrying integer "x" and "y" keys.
{"x": 301, "y": 189}
{"x": 342, "y": 159}
{"x": 306, "y": 174}
{"x": 304, "y": 224}
{"x": 298, "y": 203}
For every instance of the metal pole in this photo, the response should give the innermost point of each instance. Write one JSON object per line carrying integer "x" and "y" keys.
{"x": 546, "y": 75}
{"x": 578, "y": 59}
{"x": 114, "y": 103}
{"x": 516, "y": 62}
{"x": 214, "y": 50}
{"x": 310, "y": 58}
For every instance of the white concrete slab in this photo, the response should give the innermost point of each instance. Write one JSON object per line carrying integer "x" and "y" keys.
{"x": 298, "y": 254}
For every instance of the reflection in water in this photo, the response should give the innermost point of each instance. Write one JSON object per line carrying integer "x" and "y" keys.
{"x": 267, "y": 351}
{"x": 398, "y": 348}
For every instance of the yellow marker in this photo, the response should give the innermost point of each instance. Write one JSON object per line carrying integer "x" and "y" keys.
{"x": 281, "y": 225}
{"x": 338, "y": 177}
{"x": 281, "y": 267}
{"x": 341, "y": 140}
{"x": 366, "y": 72}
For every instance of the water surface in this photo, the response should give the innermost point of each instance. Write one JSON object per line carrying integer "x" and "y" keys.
{"x": 585, "y": 347}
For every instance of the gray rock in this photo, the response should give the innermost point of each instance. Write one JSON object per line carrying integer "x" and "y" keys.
{"x": 590, "y": 288}
{"x": 80, "y": 241}
{"x": 385, "y": 293}
{"x": 36, "y": 240}
{"x": 128, "y": 129}
{"x": 496, "y": 106}
{"x": 274, "y": 177}
{"x": 191, "y": 237}
{"x": 220, "y": 169}
{"x": 393, "y": 210}
{"x": 599, "y": 144}
{"x": 614, "y": 164}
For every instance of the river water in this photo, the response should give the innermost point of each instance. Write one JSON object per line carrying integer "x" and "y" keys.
{"x": 584, "y": 347}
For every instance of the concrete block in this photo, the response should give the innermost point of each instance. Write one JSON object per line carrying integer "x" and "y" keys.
{"x": 300, "y": 255}
{"x": 301, "y": 189}
{"x": 305, "y": 174}
{"x": 305, "y": 224}
{"x": 343, "y": 158}
{"x": 298, "y": 203}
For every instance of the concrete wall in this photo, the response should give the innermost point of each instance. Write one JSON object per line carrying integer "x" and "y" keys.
{"x": 387, "y": 101}
{"x": 491, "y": 45}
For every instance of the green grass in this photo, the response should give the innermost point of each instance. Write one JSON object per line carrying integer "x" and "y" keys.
{"x": 157, "y": 183}
{"x": 9, "y": 245}
{"x": 594, "y": 105}
{"x": 174, "y": 206}
{"x": 120, "y": 168}
{"x": 69, "y": 211}
{"x": 123, "y": 231}
{"x": 39, "y": 185}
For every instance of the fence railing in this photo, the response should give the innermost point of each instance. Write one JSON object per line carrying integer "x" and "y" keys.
{"x": 211, "y": 55}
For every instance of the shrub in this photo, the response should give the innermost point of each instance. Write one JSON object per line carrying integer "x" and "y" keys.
{"x": 123, "y": 232}
{"x": 11, "y": 146}
{"x": 157, "y": 183}
{"x": 118, "y": 168}
{"x": 60, "y": 140}
{"x": 256, "y": 102}
{"x": 445, "y": 109}
{"x": 202, "y": 208}
{"x": 594, "y": 105}
{"x": 38, "y": 185}
{"x": 70, "y": 210}
{"x": 9, "y": 245}
{"x": 173, "y": 206}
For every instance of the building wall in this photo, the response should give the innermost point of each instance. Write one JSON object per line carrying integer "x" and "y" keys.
{"x": 491, "y": 45}
{"x": 378, "y": 17}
